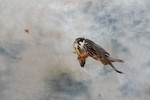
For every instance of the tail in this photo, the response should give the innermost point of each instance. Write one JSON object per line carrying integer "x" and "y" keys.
{"x": 115, "y": 68}
{"x": 115, "y": 60}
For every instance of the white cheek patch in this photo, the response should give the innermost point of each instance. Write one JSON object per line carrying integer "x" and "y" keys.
{"x": 82, "y": 44}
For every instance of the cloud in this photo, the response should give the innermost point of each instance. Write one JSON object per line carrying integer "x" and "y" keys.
{"x": 65, "y": 85}
{"x": 41, "y": 65}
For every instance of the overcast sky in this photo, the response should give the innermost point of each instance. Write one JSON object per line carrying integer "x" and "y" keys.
{"x": 41, "y": 65}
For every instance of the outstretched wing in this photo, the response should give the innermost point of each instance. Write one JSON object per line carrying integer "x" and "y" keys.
{"x": 95, "y": 50}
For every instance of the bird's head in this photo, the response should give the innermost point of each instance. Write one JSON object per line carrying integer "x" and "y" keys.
{"x": 79, "y": 42}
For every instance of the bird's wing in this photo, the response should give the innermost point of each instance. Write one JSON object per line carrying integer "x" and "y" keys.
{"x": 82, "y": 62}
{"x": 95, "y": 49}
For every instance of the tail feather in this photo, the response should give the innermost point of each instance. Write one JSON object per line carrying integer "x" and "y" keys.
{"x": 108, "y": 60}
{"x": 115, "y": 68}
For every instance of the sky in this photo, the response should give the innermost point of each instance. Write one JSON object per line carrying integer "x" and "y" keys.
{"x": 41, "y": 65}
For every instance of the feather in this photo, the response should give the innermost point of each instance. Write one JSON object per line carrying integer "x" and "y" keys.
{"x": 95, "y": 49}
{"x": 82, "y": 62}
{"x": 86, "y": 47}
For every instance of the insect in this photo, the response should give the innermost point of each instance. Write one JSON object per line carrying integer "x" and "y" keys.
{"x": 86, "y": 47}
{"x": 27, "y": 31}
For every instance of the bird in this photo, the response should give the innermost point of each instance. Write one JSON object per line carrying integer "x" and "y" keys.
{"x": 85, "y": 48}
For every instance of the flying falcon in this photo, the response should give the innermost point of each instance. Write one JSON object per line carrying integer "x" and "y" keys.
{"x": 85, "y": 47}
